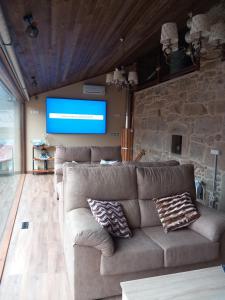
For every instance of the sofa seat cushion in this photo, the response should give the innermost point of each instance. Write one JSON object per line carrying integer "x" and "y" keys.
{"x": 136, "y": 254}
{"x": 183, "y": 247}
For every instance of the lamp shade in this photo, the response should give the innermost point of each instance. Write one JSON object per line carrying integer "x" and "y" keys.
{"x": 217, "y": 34}
{"x": 199, "y": 27}
{"x": 133, "y": 78}
{"x": 169, "y": 34}
{"x": 109, "y": 78}
{"x": 118, "y": 76}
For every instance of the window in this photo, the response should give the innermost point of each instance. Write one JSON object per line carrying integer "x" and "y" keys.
{"x": 10, "y": 153}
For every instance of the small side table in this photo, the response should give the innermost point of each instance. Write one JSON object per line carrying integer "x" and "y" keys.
{"x": 45, "y": 169}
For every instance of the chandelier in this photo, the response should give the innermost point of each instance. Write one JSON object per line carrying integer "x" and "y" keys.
{"x": 201, "y": 38}
{"x": 121, "y": 78}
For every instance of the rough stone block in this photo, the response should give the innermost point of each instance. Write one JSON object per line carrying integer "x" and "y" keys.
{"x": 217, "y": 107}
{"x": 152, "y": 140}
{"x": 197, "y": 151}
{"x": 209, "y": 158}
{"x": 208, "y": 125}
{"x": 176, "y": 108}
{"x": 222, "y": 196}
{"x": 195, "y": 109}
{"x": 178, "y": 128}
{"x": 221, "y": 158}
{"x": 139, "y": 109}
{"x": 156, "y": 123}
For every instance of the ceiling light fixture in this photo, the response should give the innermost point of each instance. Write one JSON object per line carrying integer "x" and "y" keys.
{"x": 200, "y": 37}
{"x": 31, "y": 30}
{"x": 120, "y": 77}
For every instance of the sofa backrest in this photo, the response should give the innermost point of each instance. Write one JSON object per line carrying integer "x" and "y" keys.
{"x": 98, "y": 182}
{"x": 157, "y": 182}
{"x": 78, "y": 154}
{"x": 84, "y": 155}
{"x": 134, "y": 187}
{"x": 106, "y": 153}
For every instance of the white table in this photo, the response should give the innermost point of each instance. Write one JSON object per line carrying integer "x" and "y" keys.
{"x": 207, "y": 284}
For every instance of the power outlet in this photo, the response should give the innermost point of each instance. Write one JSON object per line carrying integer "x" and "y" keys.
{"x": 115, "y": 134}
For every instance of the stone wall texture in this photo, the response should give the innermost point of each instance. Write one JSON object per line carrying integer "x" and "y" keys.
{"x": 192, "y": 106}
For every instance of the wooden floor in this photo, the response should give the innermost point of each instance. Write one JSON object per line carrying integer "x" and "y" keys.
{"x": 8, "y": 186}
{"x": 35, "y": 266}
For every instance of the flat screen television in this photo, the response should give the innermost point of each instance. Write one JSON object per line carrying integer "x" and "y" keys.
{"x": 75, "y": 116}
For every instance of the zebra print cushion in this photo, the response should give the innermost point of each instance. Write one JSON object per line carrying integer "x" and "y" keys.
{"x": 176, "y": 211}
{"x": 110, "y": 215}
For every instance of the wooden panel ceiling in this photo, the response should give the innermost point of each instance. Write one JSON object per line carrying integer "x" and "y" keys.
{"x": 79, "y": 39}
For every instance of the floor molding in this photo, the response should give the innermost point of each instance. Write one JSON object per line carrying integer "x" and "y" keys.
{"x": 9, "y": 226}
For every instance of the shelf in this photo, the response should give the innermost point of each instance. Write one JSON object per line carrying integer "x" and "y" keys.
{"x": 43, "y": 171}
{"x": 44, "y": 147}
{"x": 44, "y": 162}
{"x": 39, "y": 159}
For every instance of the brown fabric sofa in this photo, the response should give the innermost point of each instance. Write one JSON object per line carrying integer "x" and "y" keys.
{"x": 92, "y": 155}
{"x": 97, "y": 263}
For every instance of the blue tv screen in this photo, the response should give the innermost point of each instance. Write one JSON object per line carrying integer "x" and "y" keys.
{"x": 75, "y": 116}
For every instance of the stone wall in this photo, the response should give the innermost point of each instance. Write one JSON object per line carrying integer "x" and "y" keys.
{"x": 192, "y": 106}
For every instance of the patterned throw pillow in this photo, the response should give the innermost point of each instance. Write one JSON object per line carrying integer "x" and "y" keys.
{"x": 110, "y": 215}
{"x": 176, "y": 211}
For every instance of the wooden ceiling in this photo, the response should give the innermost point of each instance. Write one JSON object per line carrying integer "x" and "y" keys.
{"x": 80, "y": 39}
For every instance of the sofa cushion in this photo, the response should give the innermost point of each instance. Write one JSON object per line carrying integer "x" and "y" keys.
{"x": 110, "y": 215}
{"x": 176, "y": 211}
{"x": 183, "y": 247}
{"x": 211, "y": 223}
{"x": 100, "y": 182}
{"x": 139, "y": 253}
{"x": 149, "y": 214}
{"x": 105, "y": 153}
{"x": 78, "y": 154}
{"x": 157, "y": 182}
{"x": 132, "y": 212}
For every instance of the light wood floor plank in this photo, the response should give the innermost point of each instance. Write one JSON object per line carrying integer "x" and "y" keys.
{"x": 35, "y": 267}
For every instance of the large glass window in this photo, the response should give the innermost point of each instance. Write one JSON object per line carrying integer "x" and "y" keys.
{"x": 10, "y": 152}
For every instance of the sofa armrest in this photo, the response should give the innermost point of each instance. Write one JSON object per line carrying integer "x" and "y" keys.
{"x": 86, "y": 231}
{"x": 211, "y": 223}
{"x": 58, "y": 167}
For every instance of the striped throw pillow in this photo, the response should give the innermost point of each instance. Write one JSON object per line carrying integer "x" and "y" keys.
{"x": 176, "y": 211}
{"x": 110, "y": 215}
